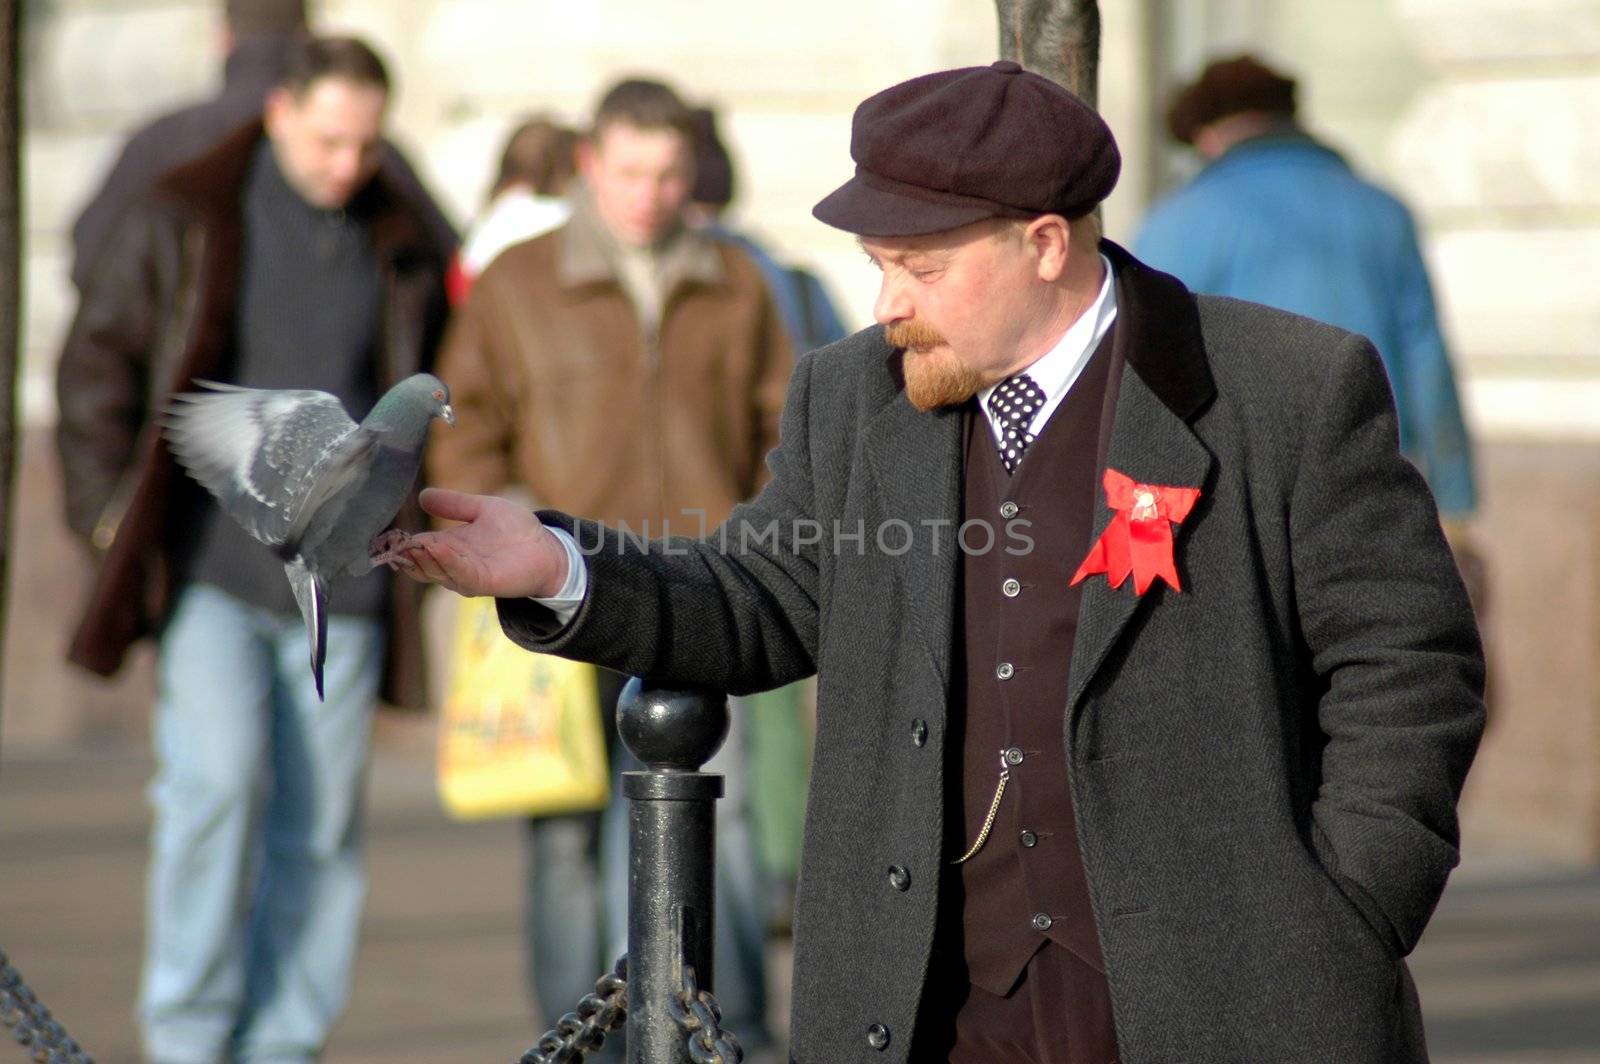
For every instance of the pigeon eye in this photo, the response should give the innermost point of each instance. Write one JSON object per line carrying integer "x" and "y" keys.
{"x": 439, "y": 396}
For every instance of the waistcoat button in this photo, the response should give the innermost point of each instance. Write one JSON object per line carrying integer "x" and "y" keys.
{"x": 899, "y": 878}
{"x": 1013, "y": 756}
{"x": 1011, "y": 588}
{"x": 1008, "y": 509}
{"x": 878, "y": 1037}
{"x": 1042, "y": 921}
{"x": 1029, "y": 839}
{"x": 1005, "y": 670}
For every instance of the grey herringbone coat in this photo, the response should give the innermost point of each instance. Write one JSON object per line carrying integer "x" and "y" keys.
{"x": 1265, "y": 766}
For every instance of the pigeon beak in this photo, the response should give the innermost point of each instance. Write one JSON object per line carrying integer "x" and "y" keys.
{"x": 448, "y": 413}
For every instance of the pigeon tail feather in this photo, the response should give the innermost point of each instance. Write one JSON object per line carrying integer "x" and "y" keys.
{"x": 312, "y": 596}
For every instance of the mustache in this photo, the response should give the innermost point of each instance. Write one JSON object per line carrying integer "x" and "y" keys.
{"x": 913, "y": 335}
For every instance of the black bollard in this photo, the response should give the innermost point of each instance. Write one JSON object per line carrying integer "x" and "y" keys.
{"x": 671, "y": 852}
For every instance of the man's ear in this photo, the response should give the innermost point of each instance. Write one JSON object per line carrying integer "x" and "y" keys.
{"x": 1050, "y": 238}
{"x": 279, "y": 109}
{"x": 585, "y": 154}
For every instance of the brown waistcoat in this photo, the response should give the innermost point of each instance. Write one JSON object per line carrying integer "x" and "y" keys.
{"x": 1026, "y": 884}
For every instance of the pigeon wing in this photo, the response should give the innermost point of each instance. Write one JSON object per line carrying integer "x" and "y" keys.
{"x": 265, "y": 454}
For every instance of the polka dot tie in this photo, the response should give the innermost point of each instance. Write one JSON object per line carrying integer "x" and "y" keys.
{"x": 1012, "y": 405}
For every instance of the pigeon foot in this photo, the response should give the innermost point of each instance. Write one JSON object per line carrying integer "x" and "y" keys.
{"x": 388, "y": 547}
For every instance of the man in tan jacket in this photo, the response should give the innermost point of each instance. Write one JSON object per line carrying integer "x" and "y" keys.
{"x": 628, "y": 367}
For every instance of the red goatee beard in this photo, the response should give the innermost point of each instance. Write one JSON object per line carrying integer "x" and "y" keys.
{"x": 934, "y": 379}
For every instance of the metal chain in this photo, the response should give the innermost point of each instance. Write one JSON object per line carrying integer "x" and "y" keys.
{"x": 698, "y": 1014}
{"x": 31, "y": 1023}
{"x": 579, "y": 1033}
{"x": 988, "y": 821}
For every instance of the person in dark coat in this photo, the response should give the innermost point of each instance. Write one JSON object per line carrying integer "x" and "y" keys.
{"x": 1146, "y": 684}
{"x": 259, "y": 35}
{"x": 281, "y": 258}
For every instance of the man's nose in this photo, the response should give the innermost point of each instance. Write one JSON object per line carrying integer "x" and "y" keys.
{"x": 892, "y": 304}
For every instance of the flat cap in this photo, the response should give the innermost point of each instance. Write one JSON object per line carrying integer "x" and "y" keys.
{"x": 955, "y": 147}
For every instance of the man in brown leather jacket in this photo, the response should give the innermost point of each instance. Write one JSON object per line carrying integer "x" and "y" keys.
{"x": 280, "y": 259}
{"x": 629, "y": 366}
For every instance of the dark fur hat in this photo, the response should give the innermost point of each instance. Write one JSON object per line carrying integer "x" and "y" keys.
{"x": 1229, "y": 87}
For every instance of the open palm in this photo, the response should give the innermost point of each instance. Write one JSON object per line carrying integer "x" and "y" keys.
{"x": 500, "y": 550}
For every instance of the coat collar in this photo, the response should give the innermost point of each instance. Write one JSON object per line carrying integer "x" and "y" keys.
{"x": 1166, "y": 383}
{"x": 211, "y": 185}
{"x": 916, "y": 458}
{"x": 586, "y": 253}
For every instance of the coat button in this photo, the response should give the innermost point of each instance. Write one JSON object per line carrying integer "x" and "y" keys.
{"x": 878, "y": 1037}
{"x": 1013, "y": 756}
{"x": 1029, "y": 839}
{"x": 1005, "y": 670}
{"x": 919, "y": 732}
{"x": 1008, "y": 509}
{"x": 1042, "y": 921}
{"x": 1011, "y": 588}
{"x": 899, "y": 878}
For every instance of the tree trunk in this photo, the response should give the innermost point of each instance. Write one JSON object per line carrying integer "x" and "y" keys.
{"x": 10, "y": 277}
{"x": 1057, "y": 38}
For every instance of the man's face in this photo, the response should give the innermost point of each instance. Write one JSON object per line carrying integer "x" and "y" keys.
{"x": 959, "y": 303}
{"x": 328, "y": 138}
{"x": 641, "y": 179}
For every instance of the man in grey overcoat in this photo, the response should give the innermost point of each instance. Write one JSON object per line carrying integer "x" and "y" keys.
{"x": 1146, "y": 683}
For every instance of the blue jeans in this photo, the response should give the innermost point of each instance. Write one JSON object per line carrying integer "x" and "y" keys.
{"x": 577, "y": 915}
{"x": 255, "y": 881}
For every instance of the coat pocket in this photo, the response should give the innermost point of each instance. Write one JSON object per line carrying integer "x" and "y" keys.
{"x": 1348, "y": 897}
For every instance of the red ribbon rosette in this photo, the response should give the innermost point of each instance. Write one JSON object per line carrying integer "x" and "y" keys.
{"x": 1139, "y": 538}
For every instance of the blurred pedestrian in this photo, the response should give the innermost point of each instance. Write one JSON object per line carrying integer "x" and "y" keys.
{"x": 528, "y": 198}
{"x": 628, "y": 365}
{"x": 256, "y": 37}
{"x": 280, "y": 258}
{"x": 808, "y": 311}
{"x": 1277, "y": 217}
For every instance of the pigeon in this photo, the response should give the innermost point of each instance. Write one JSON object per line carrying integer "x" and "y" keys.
{"x": 301, "y": 476}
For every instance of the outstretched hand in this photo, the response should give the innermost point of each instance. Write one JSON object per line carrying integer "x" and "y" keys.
{"x": 502, "y": 549}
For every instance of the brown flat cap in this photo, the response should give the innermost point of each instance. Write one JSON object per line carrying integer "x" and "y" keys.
{"x": 948, "y": 149}
{"x": 1238, "y": 85}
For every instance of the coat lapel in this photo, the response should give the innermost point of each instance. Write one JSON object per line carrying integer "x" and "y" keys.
{"x": 1165, "y": 383}
{"x": 916, "y": 464}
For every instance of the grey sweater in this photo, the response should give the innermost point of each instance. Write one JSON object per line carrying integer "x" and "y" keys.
{"x": 306, "y": 316}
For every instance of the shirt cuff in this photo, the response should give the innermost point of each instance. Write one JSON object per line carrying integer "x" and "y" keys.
{"x": 564, "y": 603}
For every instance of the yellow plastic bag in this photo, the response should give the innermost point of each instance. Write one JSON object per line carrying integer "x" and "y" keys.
{"x": 520, "y": 732}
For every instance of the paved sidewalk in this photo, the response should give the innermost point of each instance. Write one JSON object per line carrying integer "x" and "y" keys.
{"x": 1509, "y": 970}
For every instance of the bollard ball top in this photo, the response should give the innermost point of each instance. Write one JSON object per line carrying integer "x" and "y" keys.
{"x": 671, "y": 730}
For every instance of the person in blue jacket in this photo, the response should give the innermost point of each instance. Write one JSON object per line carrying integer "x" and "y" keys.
{"x": 1277, "y": 217}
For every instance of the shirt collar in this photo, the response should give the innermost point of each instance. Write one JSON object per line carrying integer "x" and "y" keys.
{"x": 1059, "y": 368}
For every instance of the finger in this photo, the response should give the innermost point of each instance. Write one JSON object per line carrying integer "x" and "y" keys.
{"x": 452, "y": 505}
{"x": 427, "y": 558}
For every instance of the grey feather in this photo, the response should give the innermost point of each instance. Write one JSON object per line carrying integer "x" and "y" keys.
{"x": 302, "y": 477}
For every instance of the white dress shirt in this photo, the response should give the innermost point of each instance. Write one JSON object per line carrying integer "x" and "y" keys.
{"x": 1057, "y": 370}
